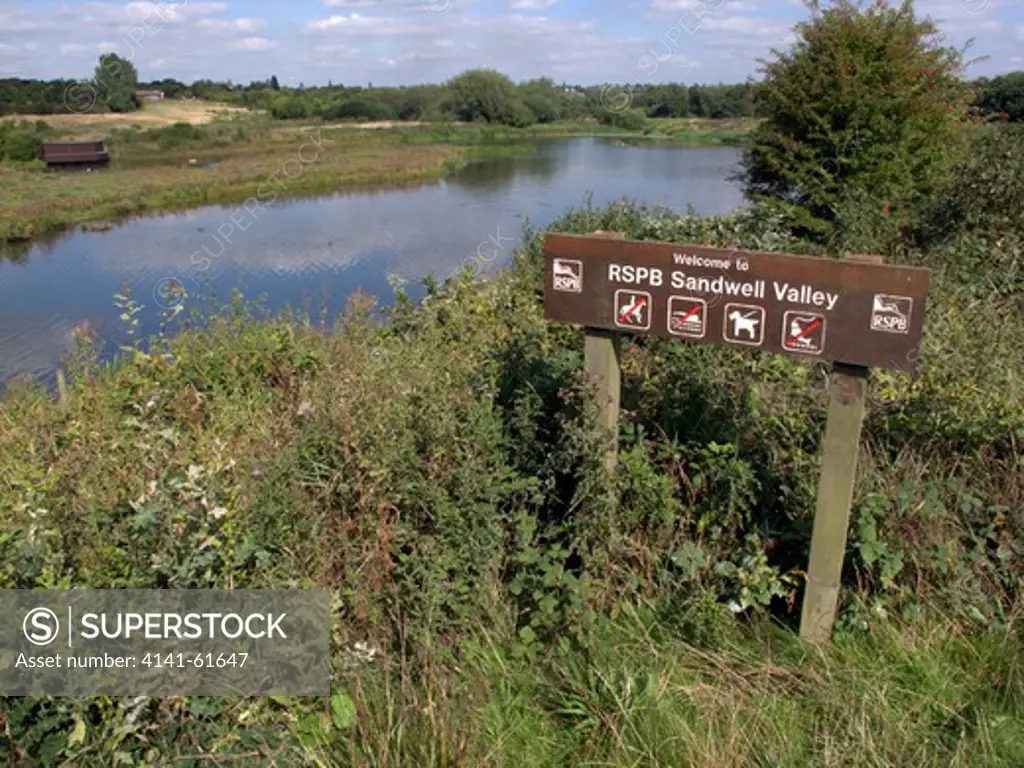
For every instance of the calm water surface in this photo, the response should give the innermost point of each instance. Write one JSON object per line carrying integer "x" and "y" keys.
{"x": 315, "y": 252}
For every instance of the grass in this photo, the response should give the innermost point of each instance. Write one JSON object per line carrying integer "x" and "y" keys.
{"x": 35, "y": 203}
{"x": 703, "y": 132}
{"x": 152, "y": 115}
{"x": 895, "y": 696}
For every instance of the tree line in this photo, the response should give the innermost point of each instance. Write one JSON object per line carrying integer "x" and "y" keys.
{"x": 478, "y": 94}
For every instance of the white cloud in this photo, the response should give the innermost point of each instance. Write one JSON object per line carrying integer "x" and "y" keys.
{"x": 252, "y": 44}
{"x": 533, "y": 5}
{"x": 368, "y": 25}
{"x": 232, "y": 25}
{"x": 401, "y": 41}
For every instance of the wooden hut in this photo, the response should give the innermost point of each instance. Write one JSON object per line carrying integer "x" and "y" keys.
{"x": 80, "y": 153}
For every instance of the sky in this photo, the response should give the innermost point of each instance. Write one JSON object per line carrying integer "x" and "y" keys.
{"x": 396, "y": 42}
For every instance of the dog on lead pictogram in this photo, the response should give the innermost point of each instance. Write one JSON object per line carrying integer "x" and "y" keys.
{"x": 744, "y": 324}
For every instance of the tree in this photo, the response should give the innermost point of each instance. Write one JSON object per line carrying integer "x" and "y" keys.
{"x": 116, "y": 80}
{"x": 485, "y": 94}
{"x": 866, "y": 107}
{"x": 274, "y": 84}
{"x": 542, "y": 98}
{"x": 1004, "y": 96}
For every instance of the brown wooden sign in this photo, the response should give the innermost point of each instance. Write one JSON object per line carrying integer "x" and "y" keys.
{"x": 815, "y": 309}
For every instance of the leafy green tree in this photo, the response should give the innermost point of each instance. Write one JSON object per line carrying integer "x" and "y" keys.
{"x": 670, "y": 100}
{"x": 1004, "y": 96}
{"x": 116, "y": 80}
{"x": 543, "y": 98}
{"x": 866, "y": 106}
{"x": 488, "y": 95}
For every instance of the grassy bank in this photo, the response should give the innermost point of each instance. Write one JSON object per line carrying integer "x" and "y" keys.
{"x": 151, "y": 176}
{"x": 439, "y": 475}
{"x": 233, "y": 159}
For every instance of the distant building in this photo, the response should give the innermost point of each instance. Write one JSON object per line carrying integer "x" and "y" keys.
{"x": 150, "y": 95}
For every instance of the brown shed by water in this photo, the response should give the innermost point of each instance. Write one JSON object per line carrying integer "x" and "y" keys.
{"x": 57, "y": 155}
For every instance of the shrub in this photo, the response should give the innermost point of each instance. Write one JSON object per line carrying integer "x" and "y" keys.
{"x": 986, "y": 190}
{"x": 629, "y": 120}
{"x": 867, "y": 103}
{"x": 358, "y": 109}
{"x": 21, "y": 142}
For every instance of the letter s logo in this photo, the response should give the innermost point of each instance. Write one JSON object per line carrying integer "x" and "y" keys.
{"x": 41, "y": 626}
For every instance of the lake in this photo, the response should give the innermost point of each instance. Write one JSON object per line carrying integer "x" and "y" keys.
{"x": 314, "y": 252}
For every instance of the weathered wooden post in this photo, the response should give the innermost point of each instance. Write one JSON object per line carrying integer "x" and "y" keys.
{"x": 835, "y": 495}
{"x": 840, "y": 447}
{"x": 601, "y": 356}
{"x": 601, "y": 361}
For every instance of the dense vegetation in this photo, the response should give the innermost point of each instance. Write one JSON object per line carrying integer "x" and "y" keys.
{"x": 544, "y": 100}
{"x": 500, "y": 597}
{"x": 998, "y": 98}
{"x": 21, "y": 141}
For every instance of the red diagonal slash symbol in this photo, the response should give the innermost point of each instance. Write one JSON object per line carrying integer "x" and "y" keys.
{"x": 638, "y": 304}
{"x": 689, "y": 314}
{"x": 805, "y": 331}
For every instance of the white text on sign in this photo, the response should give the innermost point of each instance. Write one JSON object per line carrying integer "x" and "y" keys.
{"x": 803, "y": 294}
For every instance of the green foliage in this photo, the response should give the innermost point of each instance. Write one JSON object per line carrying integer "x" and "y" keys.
{"x": 543, "y": 99}
{"x": 358, "y": 109}
{"x": 487, "y": 95}
{"x": 1002, "y": 97}
{"x": 21, "y": 142}
{"x": 628, "y": 120}
{"x": 866, "y": 107}
{"x": 116, "y": 80}
{"x": 985, "y": 191}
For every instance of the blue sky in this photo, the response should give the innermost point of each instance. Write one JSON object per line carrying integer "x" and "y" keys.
{"x": 391, "y": 42}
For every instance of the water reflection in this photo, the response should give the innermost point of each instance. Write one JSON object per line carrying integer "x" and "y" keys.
{"x": 503, "y": 170}
{"x": 319, "y": 250}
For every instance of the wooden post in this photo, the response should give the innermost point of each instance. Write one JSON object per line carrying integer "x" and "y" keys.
{"x": 601, "y": 352}
{"x": 601, "y": 361}
{"x": 848, "y": 392}
{"x": 835, "y": 496}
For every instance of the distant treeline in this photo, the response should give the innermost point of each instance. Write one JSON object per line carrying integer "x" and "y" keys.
{"x": 541, "y": 100}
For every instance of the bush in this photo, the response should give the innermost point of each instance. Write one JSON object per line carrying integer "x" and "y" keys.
{"x": 986, "y": 191}
{"x": 358, "y": 109}
{"x": 630, "y": 120}
{"x": 21, "y": 142}
{"x": 867, "y": 104}
{"x": 176, "y": 135}
{"x": 440, "y": 475}
{"x": 543, "y": 107}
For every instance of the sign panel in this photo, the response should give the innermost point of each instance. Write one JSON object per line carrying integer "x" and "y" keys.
{"x": 815, "y": 309}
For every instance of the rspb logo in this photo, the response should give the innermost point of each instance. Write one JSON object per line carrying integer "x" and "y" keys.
{"x": 891, "y": 314}
{"x": 568, "y": 276}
